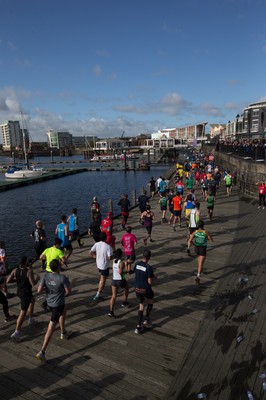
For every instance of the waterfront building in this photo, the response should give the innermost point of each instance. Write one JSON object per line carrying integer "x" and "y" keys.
{"x": 84, "y": 141}
{"x": 12, "y": 137}
{"x": 112, "y": 144}
{"x": 254, "y": 121}
{"x": 59, "y": 140}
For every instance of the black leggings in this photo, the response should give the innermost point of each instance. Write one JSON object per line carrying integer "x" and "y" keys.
{"x": 262, "y": 199}
{"x": 4, "y": 303}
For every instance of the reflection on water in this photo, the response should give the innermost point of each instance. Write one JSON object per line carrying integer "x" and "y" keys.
{"x": 21, "y": 207}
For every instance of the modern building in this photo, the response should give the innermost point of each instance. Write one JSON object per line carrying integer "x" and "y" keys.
{"x": 59, "y": 140}
{"x": 12, "y": 137}
{"x": 115, "y": 144}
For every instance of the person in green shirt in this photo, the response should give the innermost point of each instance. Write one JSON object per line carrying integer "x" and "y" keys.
{"x": 200, "y": 237}
{"x": 190, "y": 183}
{"x": 228, "y": 183}
{"x": 54, "y": 253}
{"x": 210, "y": 205}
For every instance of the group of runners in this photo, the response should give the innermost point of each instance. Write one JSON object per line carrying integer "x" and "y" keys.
{"x": 176, "y": 198}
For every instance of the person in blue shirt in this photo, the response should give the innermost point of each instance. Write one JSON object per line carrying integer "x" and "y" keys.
{"x": 163, "y": 187}
{"x": 73, "y": 227}
{"x": 62, "y": 233}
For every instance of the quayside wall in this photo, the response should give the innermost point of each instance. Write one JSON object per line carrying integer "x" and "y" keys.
{"x": 248, "y": 172}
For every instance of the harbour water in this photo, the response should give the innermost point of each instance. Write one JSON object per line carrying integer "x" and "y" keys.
{"x": 21, "y": 207}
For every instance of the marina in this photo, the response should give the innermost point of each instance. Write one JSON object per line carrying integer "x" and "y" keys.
{"x": 50, "y": 197}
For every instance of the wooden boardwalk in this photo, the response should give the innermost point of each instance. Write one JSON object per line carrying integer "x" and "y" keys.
{"x": 192, "y": 347}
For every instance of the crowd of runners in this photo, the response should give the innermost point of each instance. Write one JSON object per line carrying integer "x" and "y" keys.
{"x": 181, "y": 199}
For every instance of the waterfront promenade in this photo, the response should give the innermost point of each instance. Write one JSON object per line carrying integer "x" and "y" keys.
{"x": 192, "y": 347}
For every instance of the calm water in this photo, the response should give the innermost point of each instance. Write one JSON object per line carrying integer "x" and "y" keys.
{"x": 21, "y": 207}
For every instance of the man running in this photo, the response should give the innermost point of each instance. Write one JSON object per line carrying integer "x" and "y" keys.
{"x": 143, "y": 287}
{"x": 201, "y": 238}
{"x": 57, "y": 287}
{"x": 102, "y": 252}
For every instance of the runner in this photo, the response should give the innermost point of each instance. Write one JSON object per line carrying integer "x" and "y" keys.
{"x": 170, "y": 204}
{"x": 210, "y": 205}
{"x": 102, "y": 252}
{"x": 40, "y": 241}
{"x": 147, "y": 217}
{"x": 62, "y": 233}
{"x": 128, "y": 242}
{"x": 194, "y": 218}
{"x": 25, "y": 280}
{"x": 124, "y": 203}
{"x": 228, "y": 183}
{"x": 262, "y": 193}
{"x": 73, "y": 226}
{"x": 152, "y": 185}
{"x": 119, "y": 281}
{"x": 187, "y": 207}
{"x": 177, "y": 207}
{"x": 163, "y": 206}
{"x": 57, "y": 287}
{"x": 143, "y": 287}
{"x": 201, "y": 238}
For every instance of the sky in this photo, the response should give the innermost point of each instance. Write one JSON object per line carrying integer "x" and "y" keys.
{"x": 113, "y": 67}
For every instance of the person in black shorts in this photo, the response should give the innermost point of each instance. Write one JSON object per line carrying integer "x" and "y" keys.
{"x": 201, "y": 238}
{"x": 143, "y": 287}
{"x": 24, "y": 277}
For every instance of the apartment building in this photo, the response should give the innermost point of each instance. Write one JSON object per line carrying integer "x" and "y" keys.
{"x": 12, "y": 137}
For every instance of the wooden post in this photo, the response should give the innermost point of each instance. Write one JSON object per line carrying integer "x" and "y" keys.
{"x": 110, "y": 205}
{"x": 134, "y": 197}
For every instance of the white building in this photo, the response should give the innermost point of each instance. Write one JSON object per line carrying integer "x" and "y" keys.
{"x": 59, "y": 140}
{"x": 11, "y": 135}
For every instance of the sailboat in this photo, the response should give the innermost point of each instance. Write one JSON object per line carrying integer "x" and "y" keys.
{"x": 26, "y": 172}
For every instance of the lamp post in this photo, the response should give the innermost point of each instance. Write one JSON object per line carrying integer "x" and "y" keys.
{"x": 52, "y": 157}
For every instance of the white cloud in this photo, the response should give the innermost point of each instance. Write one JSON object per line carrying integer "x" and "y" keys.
{"x": 170, "y": 29}
{"x": 171, "y": 104}
{"x": 23, "y": 63}
{"x": 97, "y": 70}
{"x": 103, "y": 53}
{"x": 113, "y": 76}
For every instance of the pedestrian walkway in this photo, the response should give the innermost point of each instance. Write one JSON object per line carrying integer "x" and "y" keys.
{"x": 192, "y": 347}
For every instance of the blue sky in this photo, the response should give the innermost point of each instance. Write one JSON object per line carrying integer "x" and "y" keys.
{"x": 101, "y": 67}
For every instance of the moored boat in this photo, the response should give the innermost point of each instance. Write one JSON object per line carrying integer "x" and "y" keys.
{"x": 23, "y": 173}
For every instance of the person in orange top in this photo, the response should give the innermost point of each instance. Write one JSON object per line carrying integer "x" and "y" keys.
{"x": 177, "y": 209}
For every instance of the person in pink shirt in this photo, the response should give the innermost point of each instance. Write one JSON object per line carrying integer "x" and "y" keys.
{"x": 128, "y": 242}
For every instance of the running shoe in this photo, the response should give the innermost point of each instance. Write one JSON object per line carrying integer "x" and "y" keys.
{"x": 138, "y": 330}
{"x": 15, "y": 336}
{"x": 152, "y": 240}
{"x": 125, "y": 304}
{"x": 64, "y": 335}
{"x": 81, "y": 245}
{"x": 97, "y": 297}
{"x": 197, "y": 280}
{"x": 111, "y": 314}
{"x": 145, "y": 241}
{"x": 32, "y": 321}
{"x": 188, "y": 252}
{"x": 147, "y": 324}
{"x": 41, "y": 356}
{"x": 10, "y": 318}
